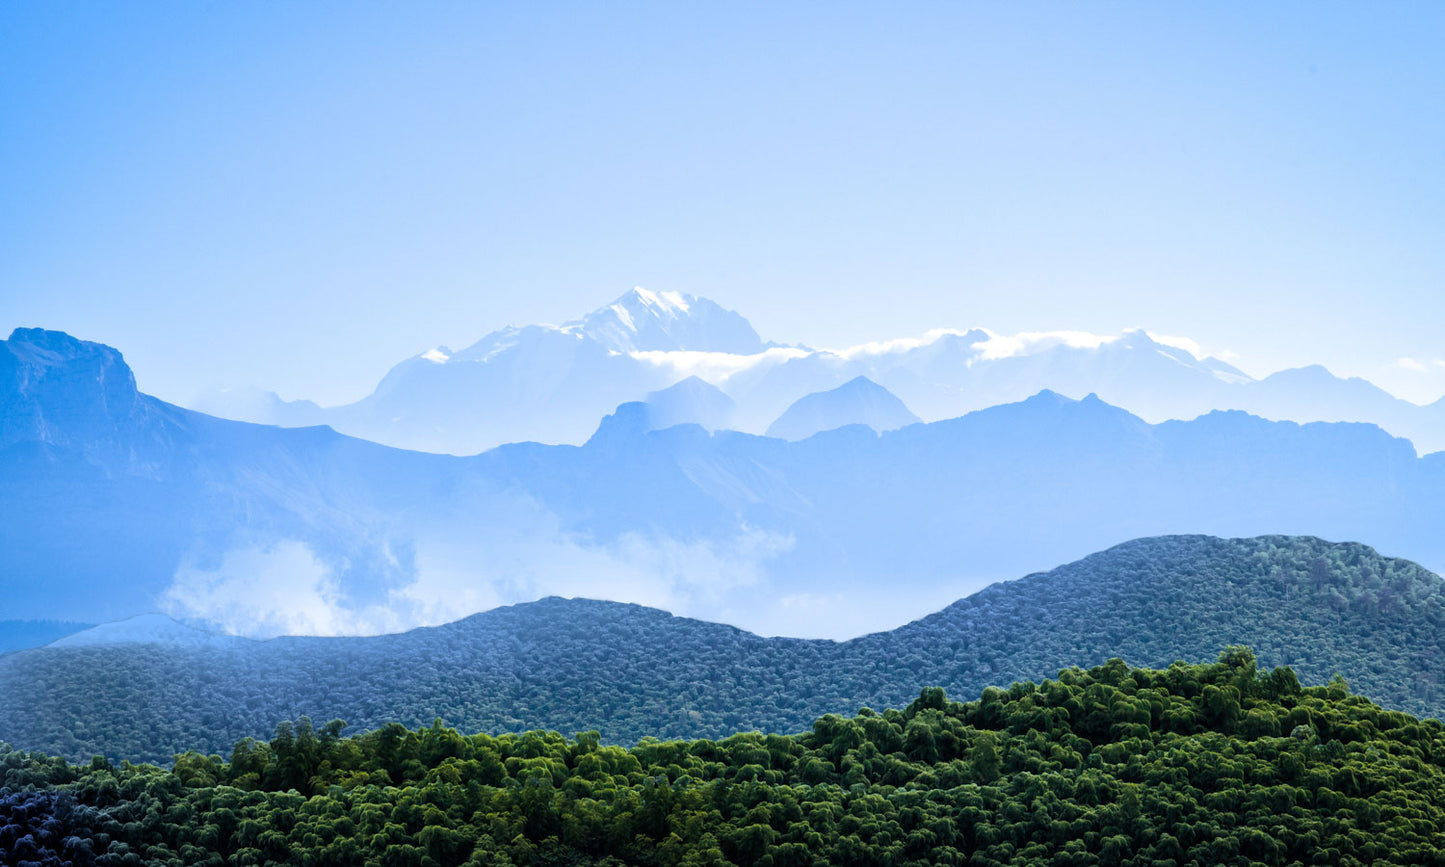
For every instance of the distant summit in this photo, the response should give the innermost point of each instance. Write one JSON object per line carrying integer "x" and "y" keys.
{"x": 646, "y": 321}
{"x": 858, "y": 401}
{"x": 691, "y": 401}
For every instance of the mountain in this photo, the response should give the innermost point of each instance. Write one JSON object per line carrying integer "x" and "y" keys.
{"x": 858, "y": 401}
{"x": 113, "y": 503}
{"x": 690, "y": 401}
{"x": 549, "y": 383}
{"x": 645, "y": 321}
{"x": 629, "y": 671}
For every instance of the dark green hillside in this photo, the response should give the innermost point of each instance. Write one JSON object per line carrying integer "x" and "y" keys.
{"x": 628, "y": 671}
{"x": 1194, "y": 765}
{"x": 1319, "y": 607}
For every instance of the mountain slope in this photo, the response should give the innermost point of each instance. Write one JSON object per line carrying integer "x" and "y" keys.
{"x": 629, "y": 671}
{"x": 858, "y": 401}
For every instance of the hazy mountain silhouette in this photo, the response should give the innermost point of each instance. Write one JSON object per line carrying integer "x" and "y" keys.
{"x": 549, "y": 383}
{"x": 858, "y": 401}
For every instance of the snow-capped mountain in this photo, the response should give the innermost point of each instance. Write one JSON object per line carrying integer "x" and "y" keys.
{"x": 550, "y": 383}
{"x": 645, "y": 321}
{"x": 858, "y": 401}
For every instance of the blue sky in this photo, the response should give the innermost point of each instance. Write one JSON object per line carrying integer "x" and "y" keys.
{"x": 297, "y": 196}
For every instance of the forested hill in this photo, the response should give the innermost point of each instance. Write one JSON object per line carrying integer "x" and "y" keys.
{"x": 628, "y": 671}
{"x": 1208, "y": 764}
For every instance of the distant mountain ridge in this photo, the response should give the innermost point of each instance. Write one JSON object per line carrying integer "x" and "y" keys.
{"x": 550, "y": 383}
{"x": 113, "y": 504}
{"x": 629, "y": 671}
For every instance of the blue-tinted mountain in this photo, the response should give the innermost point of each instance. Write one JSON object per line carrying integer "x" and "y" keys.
{"x": 691, "y": 401}
{"x": 113, "y": 504}
{"x": 858, "y": 401}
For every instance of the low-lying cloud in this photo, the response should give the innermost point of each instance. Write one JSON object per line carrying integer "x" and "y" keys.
{"x": 287, "y": 587}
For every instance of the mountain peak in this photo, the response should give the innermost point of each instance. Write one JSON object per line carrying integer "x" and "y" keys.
{"x": 646, "y": 321}
{"x": 691, "y": 401}
{"x": 860, "y": 400}
{"x": 54, "y": 386}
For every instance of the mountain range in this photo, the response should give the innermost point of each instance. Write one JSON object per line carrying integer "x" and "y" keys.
{"x": 150, "y": 688}
{"x": 550, "y": 383}
{"x": 113, "y": 503}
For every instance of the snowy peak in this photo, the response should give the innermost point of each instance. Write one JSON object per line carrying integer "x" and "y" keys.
{"x": 857, "y": 401}
{"x": 647, "y": 321}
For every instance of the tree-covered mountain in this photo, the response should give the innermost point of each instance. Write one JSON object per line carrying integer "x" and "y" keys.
{"x": 628, "y": 671}
{"x": 1204, "y": 764}
{"x": 114, "y": 504}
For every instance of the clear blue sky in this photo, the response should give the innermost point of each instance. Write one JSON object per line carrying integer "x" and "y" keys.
{"x": 298, "y": 195}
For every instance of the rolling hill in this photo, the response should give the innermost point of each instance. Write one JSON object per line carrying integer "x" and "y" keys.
{"x": 629, "y": 671}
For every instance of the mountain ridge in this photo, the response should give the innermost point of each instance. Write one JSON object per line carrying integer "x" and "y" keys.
{"x": 266, "y": 530}
{"x": 630, "y": 670}
{"x": 551, "y": 383}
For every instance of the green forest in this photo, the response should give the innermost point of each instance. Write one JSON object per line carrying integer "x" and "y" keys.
{"x": 628, "y": 672}
{"x": 1194, "y": 764}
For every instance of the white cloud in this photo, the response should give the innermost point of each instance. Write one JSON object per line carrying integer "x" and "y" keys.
{"x": 260, "y": 591}
{"x": 1416, "y": 366}
{"x": 715, "y": 367}
{"x": 284, "y": 588}
{"x": 901, "y": 344}
{"x": 1031, "y": 342}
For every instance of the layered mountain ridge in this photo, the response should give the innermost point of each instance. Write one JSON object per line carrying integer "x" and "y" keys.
{"x": 549, "y": 383}
{"x": 262, "y": 531}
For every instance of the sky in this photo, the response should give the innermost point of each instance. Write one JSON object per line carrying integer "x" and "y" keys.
{"x": 297, "y": 196}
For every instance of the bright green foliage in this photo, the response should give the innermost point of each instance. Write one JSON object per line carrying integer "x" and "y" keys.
{"x": 627, "y": 671}
{"x": 1211, "y": 764}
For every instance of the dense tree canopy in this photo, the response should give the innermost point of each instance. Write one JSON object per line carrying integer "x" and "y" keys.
{"x": 627, "y": 671}
{"x": 1208, "y": 764}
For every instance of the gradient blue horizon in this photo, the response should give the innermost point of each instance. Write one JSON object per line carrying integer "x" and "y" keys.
{"x": 297, "y": 196}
